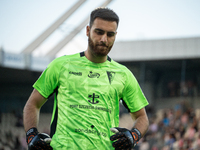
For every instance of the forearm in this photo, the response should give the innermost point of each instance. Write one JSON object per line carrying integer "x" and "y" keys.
{"x": 141, "y": 121}
{"x": 34, "y": 139}
{"x": 142, "y": 124}
{"x": 32, "y": 110}
{"x": 30, "y": 116}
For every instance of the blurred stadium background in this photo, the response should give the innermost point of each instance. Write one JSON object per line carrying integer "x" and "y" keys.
{"x": 167, "y": 69}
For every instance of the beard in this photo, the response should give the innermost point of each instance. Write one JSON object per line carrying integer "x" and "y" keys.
{"x": 99, "y": 49}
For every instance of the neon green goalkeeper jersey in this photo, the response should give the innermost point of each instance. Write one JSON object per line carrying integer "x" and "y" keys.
{"x": 87, "y": 98}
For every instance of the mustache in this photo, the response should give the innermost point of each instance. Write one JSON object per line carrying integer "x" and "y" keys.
{"x": 102, "y": 44}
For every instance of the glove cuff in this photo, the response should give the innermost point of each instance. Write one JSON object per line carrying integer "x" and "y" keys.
{"x": 136, "y": 134}
{"x": 30, "y": 134}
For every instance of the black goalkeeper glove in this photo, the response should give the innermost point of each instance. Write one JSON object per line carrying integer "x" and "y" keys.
{"x": 125, "y": 139}
{"x": 38, "y": 141}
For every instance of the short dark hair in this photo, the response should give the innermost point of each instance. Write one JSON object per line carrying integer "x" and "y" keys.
{"x": 105, "y": 14}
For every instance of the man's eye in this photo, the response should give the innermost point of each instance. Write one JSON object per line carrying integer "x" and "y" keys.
{"x": 110, "y": 34}
{"x": 99, "y": 32}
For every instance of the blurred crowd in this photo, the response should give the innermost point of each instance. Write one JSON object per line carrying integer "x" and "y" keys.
{"x": 177, "y": 128}
{"x": 186, "y": 88}
{"x": 10, "y": 138}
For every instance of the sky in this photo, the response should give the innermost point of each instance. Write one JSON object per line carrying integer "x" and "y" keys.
{"x": 22, "y": 21}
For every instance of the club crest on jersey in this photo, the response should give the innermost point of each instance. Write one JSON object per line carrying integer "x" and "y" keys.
{"x": 111, "y": 76}
{"x": 93, "y": 75}
{"x": 93, "y": 96}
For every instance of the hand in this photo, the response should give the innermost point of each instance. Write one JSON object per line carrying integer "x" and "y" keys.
{"x": 125, "y": 139}
{"x": 37, "y": 140}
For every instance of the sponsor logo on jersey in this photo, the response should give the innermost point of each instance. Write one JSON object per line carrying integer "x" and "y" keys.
{"x": 93, "y": 96}
{"x": 90, "y": 107}
{"x": 76, "y": 73}
{"x": 93, "y": 75}
{"x": 91, "y": 130}
{"x": 111, "y": 76}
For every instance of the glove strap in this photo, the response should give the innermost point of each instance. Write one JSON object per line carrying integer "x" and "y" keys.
{"x": 30, "y": 134}
{"x": 136, "y": 134}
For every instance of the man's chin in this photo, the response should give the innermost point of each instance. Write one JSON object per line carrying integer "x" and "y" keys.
{"x": 102, "y": 53}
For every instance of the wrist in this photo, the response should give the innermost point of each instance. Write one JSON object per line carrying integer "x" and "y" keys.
{"x": 30, "y": 134}
{"x": 136, "y": 134}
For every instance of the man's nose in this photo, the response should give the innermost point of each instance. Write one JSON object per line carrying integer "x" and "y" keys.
{"x": 104, "y": 38}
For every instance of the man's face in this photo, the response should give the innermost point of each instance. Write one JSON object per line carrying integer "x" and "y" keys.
{"x": 101, "y": 36}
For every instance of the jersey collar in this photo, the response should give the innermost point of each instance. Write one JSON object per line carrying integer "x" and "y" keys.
{"x": 83, "y": 54}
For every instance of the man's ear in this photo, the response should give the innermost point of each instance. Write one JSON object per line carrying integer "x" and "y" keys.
{"x": 87, "y": 30}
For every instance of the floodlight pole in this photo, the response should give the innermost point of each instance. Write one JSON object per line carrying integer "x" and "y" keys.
{"x": 31, "y": 47}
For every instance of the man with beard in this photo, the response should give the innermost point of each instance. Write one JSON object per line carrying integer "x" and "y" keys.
{"x": 88, "y": 87}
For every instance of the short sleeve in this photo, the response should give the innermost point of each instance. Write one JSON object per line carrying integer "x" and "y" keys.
{"x": 132, "y": 94}
{"x": 48, "y": 81}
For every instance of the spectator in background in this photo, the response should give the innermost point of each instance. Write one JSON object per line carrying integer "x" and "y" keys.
{"x": 190, "y": 132}
{"x": 17, "y": 143}
{"x": 165, "y": 120}
{"x": 171, "y": 140}
{"x": 172, "y": 90}
{"x": 183, "y": 89}
{"x": 184, "y": 119}
{"x": 23, "y": 142}
{"x": 19, "y": 122}
{"x": 144, "y": 145}
{"x": 197, "y": 142}
{"x": 153, "y": 127}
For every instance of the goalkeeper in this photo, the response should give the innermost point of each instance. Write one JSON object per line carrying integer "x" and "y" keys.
{"x": 87, "y": 87}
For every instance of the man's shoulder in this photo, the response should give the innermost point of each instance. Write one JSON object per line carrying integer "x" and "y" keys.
{"x": 58, "y": 62}
{"x": 119, "y": 65}
{"x": 66, "y": 58}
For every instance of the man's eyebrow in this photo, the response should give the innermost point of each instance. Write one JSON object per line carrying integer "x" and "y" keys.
{"x": 97, "y": 29}
{"x": 105, "y": 31}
